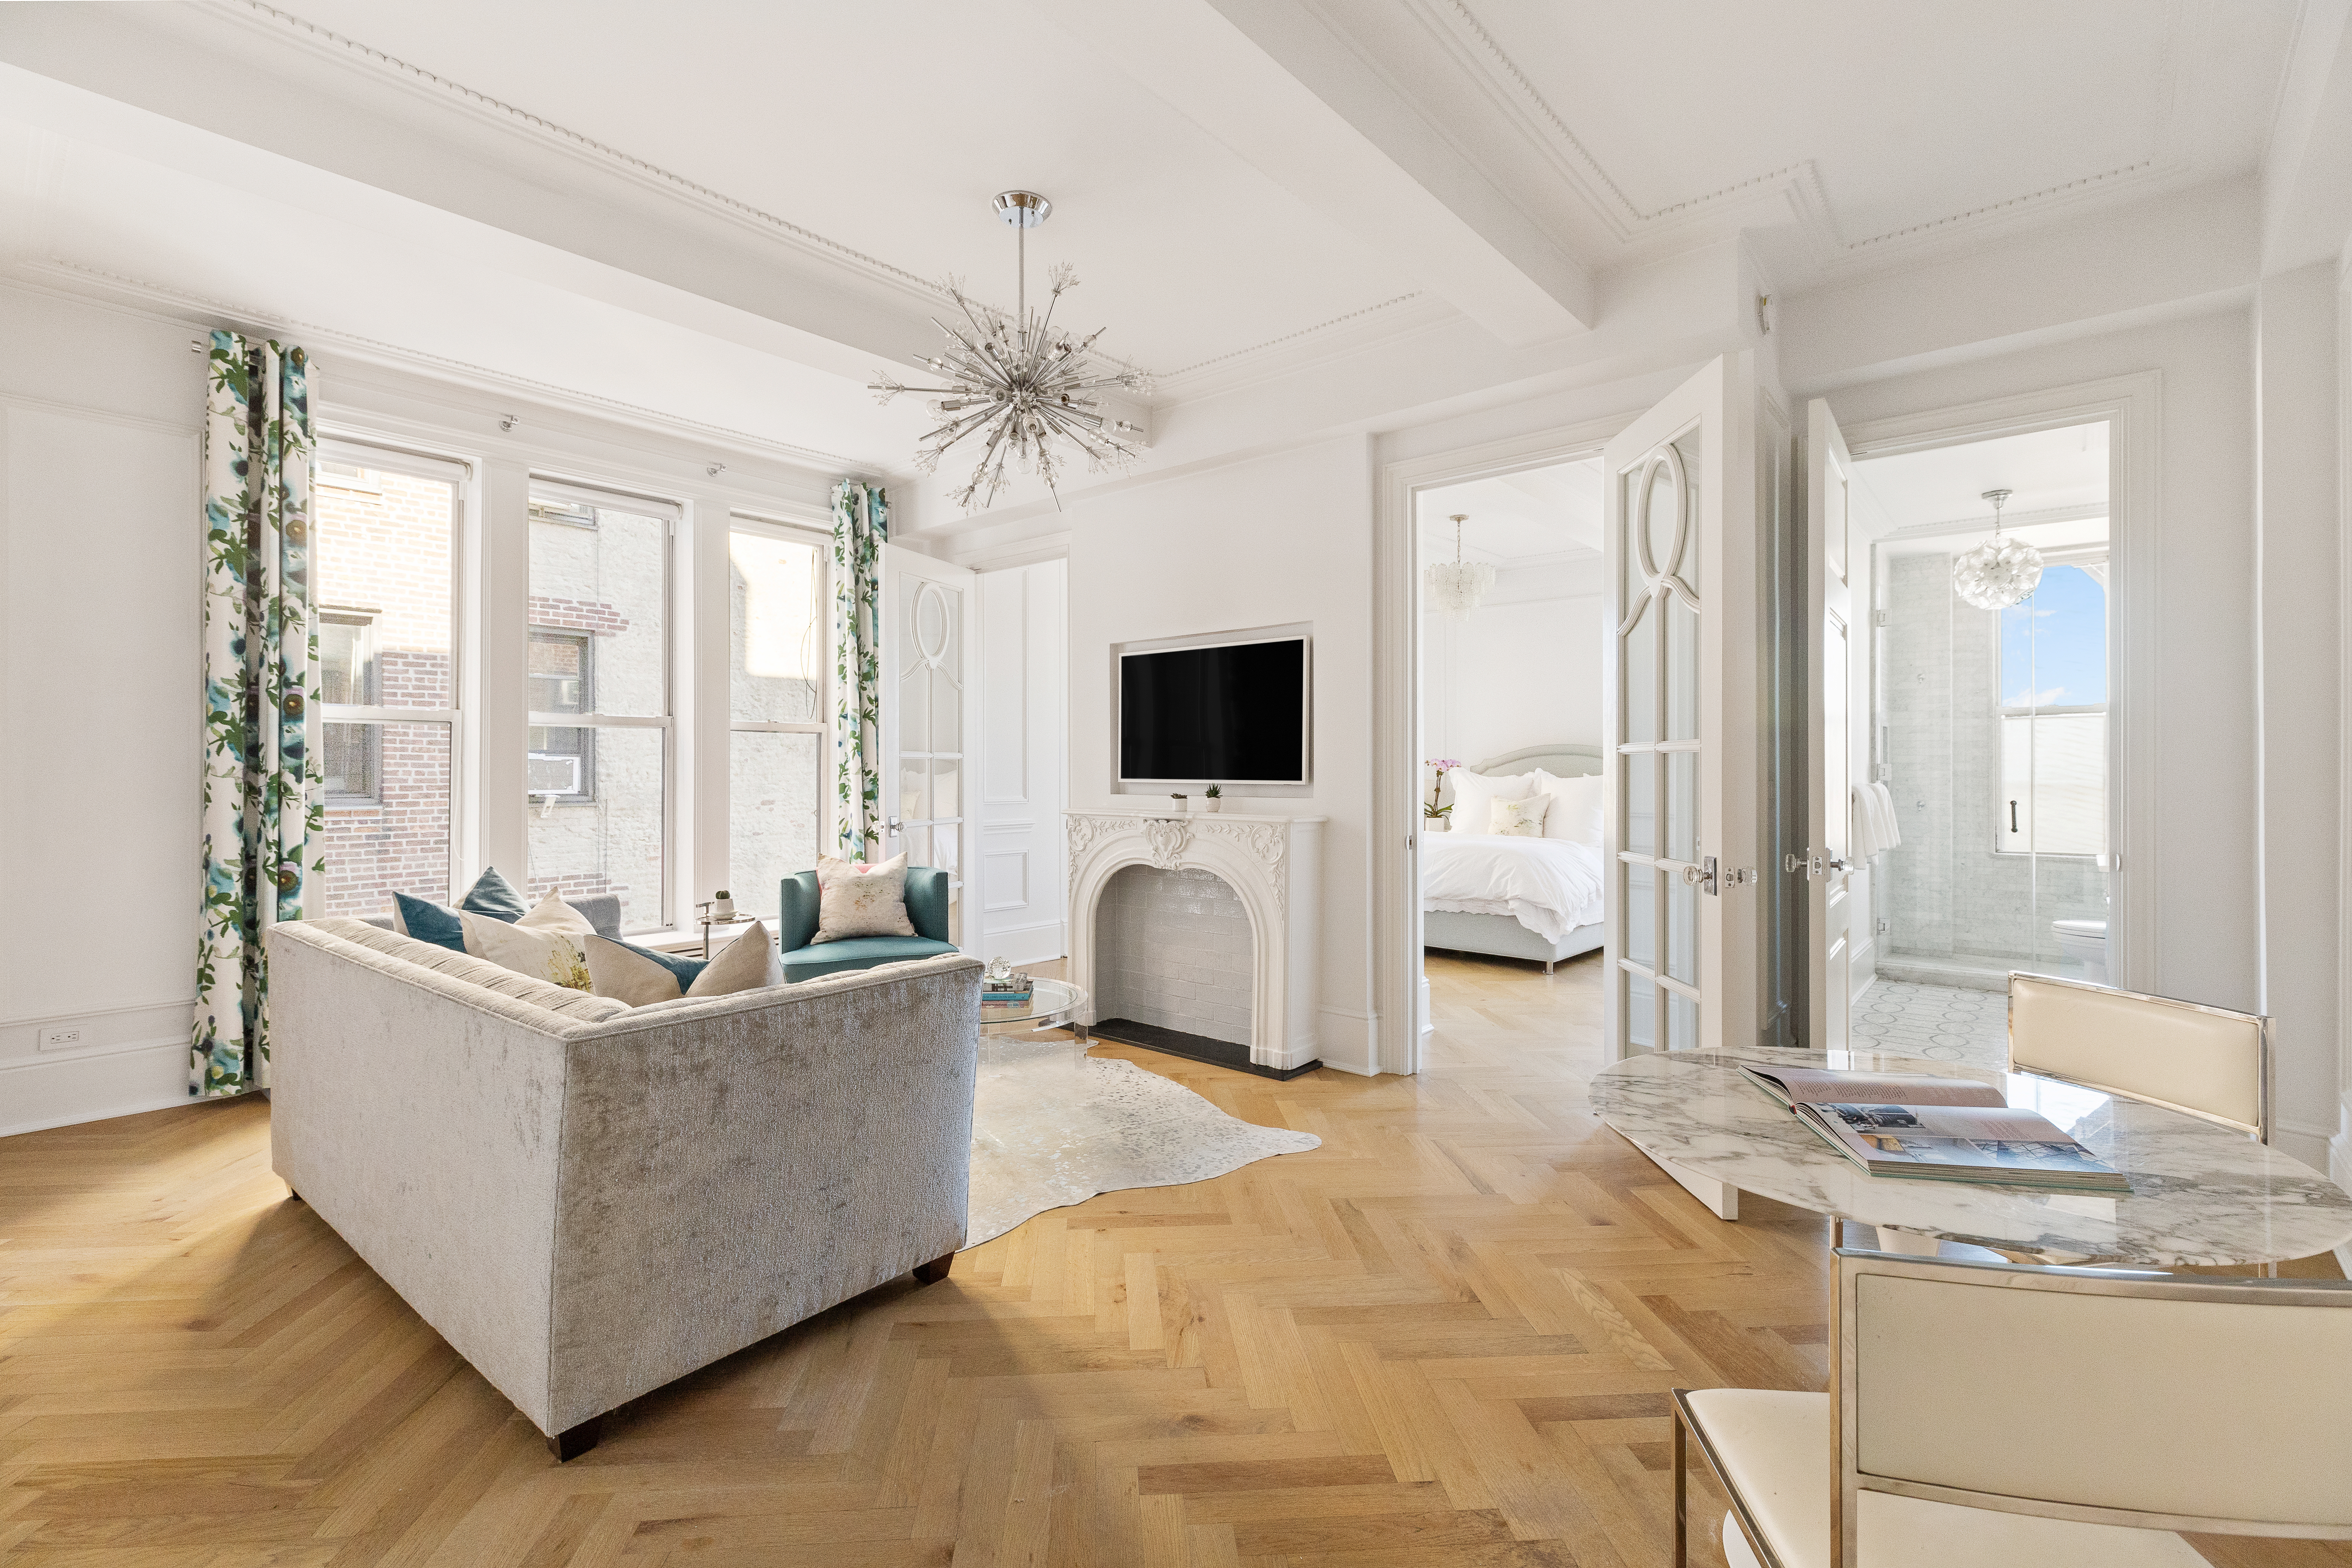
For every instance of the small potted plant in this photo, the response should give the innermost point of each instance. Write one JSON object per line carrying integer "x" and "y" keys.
{"x": 1183, "y": 805}
{"x": 1213, "y": 799}
{"x": 1436, "y": 818}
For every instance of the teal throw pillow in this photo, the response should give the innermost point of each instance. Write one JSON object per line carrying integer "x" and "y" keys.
{"x": 428, "y": 921}
{"x": 493, "y": 895}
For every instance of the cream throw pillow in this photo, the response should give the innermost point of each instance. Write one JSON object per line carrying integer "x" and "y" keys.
{"x": 858, "y": 899}
{"x": 1520, "y": 818}
{"x": 554, "y": 956}
{"x": 630, "y": 975}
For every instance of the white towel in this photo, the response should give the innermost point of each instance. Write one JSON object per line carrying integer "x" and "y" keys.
{"x": 1862, "y": 834}
{"x": 1890, "y": 827}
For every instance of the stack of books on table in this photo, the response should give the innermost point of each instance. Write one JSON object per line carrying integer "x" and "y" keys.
{"x": 1934, "y": 1129}
{"x": 1004, "y": 992}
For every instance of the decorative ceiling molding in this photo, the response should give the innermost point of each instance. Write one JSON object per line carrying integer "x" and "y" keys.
{"x": 1799, "y": 184}
{"x": 81, "y": 280}
{"x": 1982, "y": 520}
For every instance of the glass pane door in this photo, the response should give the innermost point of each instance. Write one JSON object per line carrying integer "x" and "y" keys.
{"x": 1659, "y": 746}
{"x": 928, "y": 633}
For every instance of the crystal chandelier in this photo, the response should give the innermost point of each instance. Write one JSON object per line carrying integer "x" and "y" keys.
{"x": 2000, "y": 572}
{"x": 1456, "y": 586}
{"x": 1019, "y": 381}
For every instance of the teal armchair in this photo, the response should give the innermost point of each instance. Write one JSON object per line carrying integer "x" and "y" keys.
{"x": 926, "y": 910}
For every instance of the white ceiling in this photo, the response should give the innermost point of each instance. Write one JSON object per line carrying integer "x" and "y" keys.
{"x": 2047, "y": 471}
{"x": 731, "y": 212}
{"x": 1537, "y": 517}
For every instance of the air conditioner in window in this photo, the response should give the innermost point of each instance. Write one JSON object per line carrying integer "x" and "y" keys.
{"x": 553, "y": 774}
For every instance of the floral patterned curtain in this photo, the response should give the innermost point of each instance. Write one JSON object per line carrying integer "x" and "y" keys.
{"x": 861, "y": 523}
{"x": 262, "y": 795}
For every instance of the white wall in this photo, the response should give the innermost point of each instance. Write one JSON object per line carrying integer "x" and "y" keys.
{"x": 1024, "y": 681}
{"x": 1521, "y": 669}
{"x": 101, "y": 569}
{"x": 1267, "y": 542}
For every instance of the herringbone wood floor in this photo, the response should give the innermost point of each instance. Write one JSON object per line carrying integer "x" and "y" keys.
{"x": 1443, "y": 1337}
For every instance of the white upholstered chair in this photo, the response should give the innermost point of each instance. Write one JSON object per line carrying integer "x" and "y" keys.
{"x": 2208, "y": 1061}
{"x": 1997, "y": 1413}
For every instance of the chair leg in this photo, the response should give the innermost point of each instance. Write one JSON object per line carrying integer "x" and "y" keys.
{"x": 574, "y": 1441}
{"x": 1682, "y": 1496}
{"x": 934, "y": 1272}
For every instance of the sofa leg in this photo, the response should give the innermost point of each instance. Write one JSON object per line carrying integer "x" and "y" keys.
{"x": 295, "y": 1195}
{"x": 572, "y": 1442}
{"x": 934, "y": 1272}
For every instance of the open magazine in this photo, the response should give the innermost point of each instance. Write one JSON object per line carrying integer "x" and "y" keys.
{"x": 1934, "y": 1129}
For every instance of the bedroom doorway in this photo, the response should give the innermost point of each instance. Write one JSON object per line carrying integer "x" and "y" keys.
{"x": 1509, "y": 670}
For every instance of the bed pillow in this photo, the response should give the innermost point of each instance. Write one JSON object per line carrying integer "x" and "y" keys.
{"x": 1520, "y": 818}
{"x": 855, "y": 898}
{"x": 1575, "y": 807}
{"x": 1474, "y": 795}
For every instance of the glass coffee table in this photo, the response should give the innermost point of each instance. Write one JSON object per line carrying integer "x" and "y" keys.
{"x": 1052, "y": 1005}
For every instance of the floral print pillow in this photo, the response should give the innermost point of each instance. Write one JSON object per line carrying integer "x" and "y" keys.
{"x": 855, "y": 898}
{"x": 1520, "y": 818}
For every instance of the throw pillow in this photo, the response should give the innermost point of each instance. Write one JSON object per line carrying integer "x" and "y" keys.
{"x": 1476, "y": 794}
{"x": 855, "y": 898}
{"x": 551, "y": 914}
{"x": 1520, "y": 818}
{"x": 640, "y": 977}
{"x": 544, "y": 954}
{"x": 637, "y": 976}
{"x": 491, "y": 894}
{"x": 1575, "y": 808}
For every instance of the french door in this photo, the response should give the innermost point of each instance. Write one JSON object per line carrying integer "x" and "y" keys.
{"x": 1681, "y": 694}
{"x": 930, "y": 719}
{"x": 1830, "y": 875}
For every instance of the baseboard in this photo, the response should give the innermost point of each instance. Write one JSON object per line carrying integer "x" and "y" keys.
{"x": 1347, "y": 1041}
{"x": 148, "y": 1075}
{"x": 2307, "y": 1144}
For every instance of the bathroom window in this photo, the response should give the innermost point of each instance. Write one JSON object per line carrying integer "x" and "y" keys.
{"x": 2052, "y": 666}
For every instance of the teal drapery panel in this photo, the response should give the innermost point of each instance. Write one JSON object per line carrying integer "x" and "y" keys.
{"x": 262, "y": 803}
{"x": 861, "y": 523}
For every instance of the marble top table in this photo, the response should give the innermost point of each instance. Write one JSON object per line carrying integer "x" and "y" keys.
{"x": 2200, "y": 1193}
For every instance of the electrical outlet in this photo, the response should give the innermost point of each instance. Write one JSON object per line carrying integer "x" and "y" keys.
{"x": 61, "y": 1038}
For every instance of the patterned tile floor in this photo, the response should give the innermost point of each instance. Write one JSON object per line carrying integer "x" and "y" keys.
{"x": 1938, "y": 1022}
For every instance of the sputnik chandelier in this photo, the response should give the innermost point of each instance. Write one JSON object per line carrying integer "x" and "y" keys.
{"x": 1020, "y": 383}
{"x": 2000, "y": 572}
{"x": 1456, "y": 586}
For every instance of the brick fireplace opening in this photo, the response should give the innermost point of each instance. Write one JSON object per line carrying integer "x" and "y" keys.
{"x": 1172, "y": 951}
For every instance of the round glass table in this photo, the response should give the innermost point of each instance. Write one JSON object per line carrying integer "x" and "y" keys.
{"x": 1053, "y": 1003}
{"x": 2200, "y": 1193}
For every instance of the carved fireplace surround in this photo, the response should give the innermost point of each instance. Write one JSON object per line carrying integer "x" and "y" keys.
{"x": 1274, "y": 865}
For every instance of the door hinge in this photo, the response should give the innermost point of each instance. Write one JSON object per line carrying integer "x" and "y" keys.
{"x": 1879, "y": 619}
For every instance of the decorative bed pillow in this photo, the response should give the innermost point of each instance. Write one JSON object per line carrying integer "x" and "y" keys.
{"x": 640, "y": 977}
{"x": 1476, "y": 794}
{"x": 1575, "y": 807}
{"x": 1520, "y": 818}
{"x": 855, "y": 898}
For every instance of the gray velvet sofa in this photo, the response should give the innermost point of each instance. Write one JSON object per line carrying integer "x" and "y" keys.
{"x": 588, "y": 1200}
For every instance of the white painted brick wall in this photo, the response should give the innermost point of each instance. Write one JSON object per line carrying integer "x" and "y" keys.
{"x": 1173, "y": 948}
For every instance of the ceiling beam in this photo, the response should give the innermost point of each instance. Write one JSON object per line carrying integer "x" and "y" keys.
{"x": 2307, "y": 168}
{"x": 1294, "y": 100}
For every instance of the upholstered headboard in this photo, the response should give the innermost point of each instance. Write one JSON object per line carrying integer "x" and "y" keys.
{"x": 1561, "y": 758}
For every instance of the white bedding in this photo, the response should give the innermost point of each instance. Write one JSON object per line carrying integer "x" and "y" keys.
{"x": 1549, "y": 885}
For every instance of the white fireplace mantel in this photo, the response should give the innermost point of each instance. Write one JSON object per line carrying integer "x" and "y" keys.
{"x": 1274, "y": 865}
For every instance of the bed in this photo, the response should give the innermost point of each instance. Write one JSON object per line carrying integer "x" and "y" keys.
{"x": 1536, "y": 899}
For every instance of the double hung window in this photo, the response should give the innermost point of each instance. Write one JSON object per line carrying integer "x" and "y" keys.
{"x": 599, "y": 751}
{"x": 779, "y": 709}
{"x": 385, "y": 584}
{"x": 2053, "y": 670}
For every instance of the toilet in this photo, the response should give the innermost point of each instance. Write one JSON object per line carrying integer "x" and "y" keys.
{"x": 2085, "y": 942}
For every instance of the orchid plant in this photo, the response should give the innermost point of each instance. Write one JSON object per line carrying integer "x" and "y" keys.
{"x": 1444, "y": 765}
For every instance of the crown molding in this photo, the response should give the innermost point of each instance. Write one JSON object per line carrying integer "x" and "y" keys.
{"x": 198, "y": 311}
{"x": 1798, "y": 186}
{"x": 2014, "y": 519}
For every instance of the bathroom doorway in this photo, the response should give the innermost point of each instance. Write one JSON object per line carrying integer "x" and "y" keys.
{"x": 1991, "y": 751}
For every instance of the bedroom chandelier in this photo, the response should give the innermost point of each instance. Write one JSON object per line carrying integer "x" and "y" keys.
{"x": 1456, "y": 586}
{"x": 1019, "y": 381}
{"x": 2000, "y": 572}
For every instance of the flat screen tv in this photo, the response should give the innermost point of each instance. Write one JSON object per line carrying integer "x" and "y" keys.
{"x": 1225, "y": 713}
